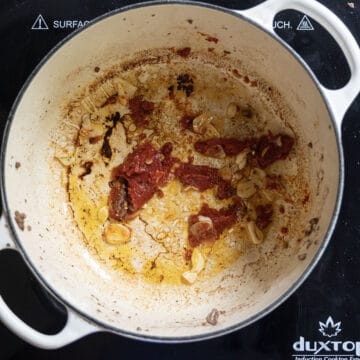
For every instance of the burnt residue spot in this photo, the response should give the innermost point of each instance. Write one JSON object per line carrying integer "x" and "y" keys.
{"x": 171, "y": 91}
{"x": 105, "y": 150}
{"x": 236, "y": 73}
{"x": 310, "y": 145}
{"x": 302, "y": 257}
{"x": 190, "y": 21}
{"x": 312, "y": 226}
{"x": 247, "y": 112}
{"x": 284, "y": 230}
{"x": 17, "y": 165}
{"x": 213, "y": 317}
{"x": 95, "y": 139}
{"x": 96, "y": 69}
{"x": 111, "y": 100}
{"x": 212, "y": 39}
{"x": 306, "y": 198}
{"x": 322, "y": 157}
{"x": 183, "y": 52}
{"x": 308, "y": 243}
{"x": 226, "y": 52}
{"x": 87, "y": 169}
{"x": 263, "y": 215}
{"x": 153, "y": 15}
{"x": 20, "y": 219}
{"x": 211, "y": 49}
{"x": 320, "y": 178}
{"x": 185, "y": 83}
{"x": 209, "y": 38}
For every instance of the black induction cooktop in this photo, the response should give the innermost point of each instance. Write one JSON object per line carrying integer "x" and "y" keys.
{"x": 320, "y": 321}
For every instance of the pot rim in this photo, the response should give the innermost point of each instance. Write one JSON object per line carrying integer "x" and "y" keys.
{"x": 142, "y": 336}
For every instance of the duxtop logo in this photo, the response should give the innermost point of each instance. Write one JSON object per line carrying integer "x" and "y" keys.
{"x": 326, "y": 349}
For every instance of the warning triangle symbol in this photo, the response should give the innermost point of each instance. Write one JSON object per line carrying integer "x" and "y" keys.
{"x": 305, "y": 24}
{"x": 40, "y": 24}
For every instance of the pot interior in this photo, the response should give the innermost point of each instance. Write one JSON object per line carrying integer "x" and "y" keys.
{"x": 35, "y": 183}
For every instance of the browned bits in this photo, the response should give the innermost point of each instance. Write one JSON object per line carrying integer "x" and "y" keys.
{"x": 247, "y": 112}
{"x": 306, "y": 198}
{"x": 312, "y": 226}
{"x": 284, "y": 230}
{"x": 185, "y": 83}
{"x": 184, "y": 52}
{"x": 20, "y": 219}
{"x": 281, "y": 209}
{"x": 236, "y": 73}
{"x": 213, "y": 317}
{"x": 17, "y": 165}
{"x": 263, "y": 215}
{"x": 209, "y": 37}
{"x": 212, "y": 39}
{"x": 302, "y": 257}
{"x": 96, "y": 69}
{"x": 94, "y": 139}
{"x": 111, "y": 100}
{"x": 105, "y": 150}
{"x": 87, "y": 166}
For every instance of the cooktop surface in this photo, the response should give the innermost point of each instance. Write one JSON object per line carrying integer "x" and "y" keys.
{"x": 320, "y": 321}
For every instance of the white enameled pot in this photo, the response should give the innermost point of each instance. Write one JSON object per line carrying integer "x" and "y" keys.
{"x": 94, "y": 302}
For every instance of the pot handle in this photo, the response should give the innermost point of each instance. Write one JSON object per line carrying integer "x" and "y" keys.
{"x": 75, "y": 328}
{"x": 338, "y": 100}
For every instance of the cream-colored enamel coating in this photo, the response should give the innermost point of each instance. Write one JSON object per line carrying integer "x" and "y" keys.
{"x": 53, "y": 246}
